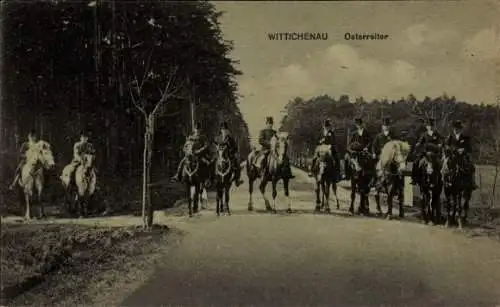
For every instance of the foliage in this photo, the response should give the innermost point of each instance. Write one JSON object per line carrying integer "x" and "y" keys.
{"x": 304, "y": 120}
{"x": 37, "y": 250}
{"x": 74, "y": 65}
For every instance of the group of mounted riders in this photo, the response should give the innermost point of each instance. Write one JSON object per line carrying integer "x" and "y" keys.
{"x": 361, "y": 142}
{"x": 430, "y": 144}
{"x": 80, "y": 148}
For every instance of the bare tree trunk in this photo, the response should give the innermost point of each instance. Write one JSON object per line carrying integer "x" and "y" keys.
{"x": 147, "y": 205}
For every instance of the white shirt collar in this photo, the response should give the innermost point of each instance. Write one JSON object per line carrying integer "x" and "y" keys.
{"x": 361, "y": 131}
{"x": 386, "y": 133}
{"x": 430, "y": 132}
{"x": 457, "y": 135}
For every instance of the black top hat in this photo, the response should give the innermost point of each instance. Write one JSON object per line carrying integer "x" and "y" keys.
{"x": 84, "y": 132}
{"x": 269, "y": 120}
{"x": 224, "y": 125}
{"x": 327, "y": 123}
{"x": 430, "y": 121}
{"x": 386, "y": 121}
{"x": 197, "y": 125}
{"x": 358, "y": 120}
{"x": 457, "y": 124}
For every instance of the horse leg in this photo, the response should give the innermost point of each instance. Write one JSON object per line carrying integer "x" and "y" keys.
{"x": 318, "y": 200}
{"x": 262, "y": 189}
{"x": 250, "y": 191}
{"x": 196, "y": 198}
{"x": 226, "y": 197}
{"x": 465, "y": 208}
{"x": 286, "y": 187}
{"x": 274, "y": 183}
{"x": 190, "y": 200}
{"x": 459, "y": 210}
{"x": 390, "y": 197}
{"x": 39, "y": 189}
{"x": 353, "y": 196}
{"x": 423, "y": 207}
{"x": 27, "y": 201}
{"x": 218, "y": 199}
{"x": 447, "y": 202}
{"x": 334, "y": 190}
{"x": 377, "y": 202}
{"x": 327, "y": 197}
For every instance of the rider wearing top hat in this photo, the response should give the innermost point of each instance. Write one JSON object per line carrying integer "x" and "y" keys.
{"x": 200, "y": 148}
{"x": 429, "y": 137}
{"x": 328, "y": 138}
{"x": 386, "y": 135}
{"x": 22, "y": 156}
{"x": 461, "y": 143}
{"x": 265, "y": 137}
{"x": 227, "y": 139}
{"x": 360, "y": 141}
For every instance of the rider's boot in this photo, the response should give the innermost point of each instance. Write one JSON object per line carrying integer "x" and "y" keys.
{"x": 177, "y": 175}
{"x": 414, "y": 173}
{"x": 13, "y": 184}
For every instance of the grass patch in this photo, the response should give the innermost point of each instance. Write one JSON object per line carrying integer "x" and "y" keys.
{"x": 47, "y": 264}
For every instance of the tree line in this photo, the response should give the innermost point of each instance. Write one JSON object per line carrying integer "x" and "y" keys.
{"x": 101, "y": 65}
{"x": 304, "y": 117}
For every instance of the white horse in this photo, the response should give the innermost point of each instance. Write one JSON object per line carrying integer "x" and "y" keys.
{"x": 39, "y": 157}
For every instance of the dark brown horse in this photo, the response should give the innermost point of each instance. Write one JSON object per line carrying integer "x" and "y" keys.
{"x": 224, "y": 175}
{"x": 361, "y": 165}
{"x": 431, "y": 186}
{"x": 324, "y": 172}
{"x": 193, "y": 178}
{"x": 456, "y": 188}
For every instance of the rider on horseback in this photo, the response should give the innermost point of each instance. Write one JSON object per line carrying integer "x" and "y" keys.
{"x": 380, "y": 140}
{"x": 200, "y": 148}
{"x": 82, "y": 147}
{"x": 360, "y": 141}
{"x": 22, "y": 156}
{"x": 265, "y": 137}
{"x": 225, "y": 138}
{"x": 461, "y": 144}
{"x": 428, "y": 141}
{"x": 328, "y": 138}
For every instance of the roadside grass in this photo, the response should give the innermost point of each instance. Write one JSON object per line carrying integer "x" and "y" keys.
{"x": 61, "y": 264}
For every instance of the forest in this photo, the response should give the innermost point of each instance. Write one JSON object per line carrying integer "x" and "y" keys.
{"x": 105, "y": 66}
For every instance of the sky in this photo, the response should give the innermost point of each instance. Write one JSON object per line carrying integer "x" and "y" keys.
{"x": 433, "y": 47}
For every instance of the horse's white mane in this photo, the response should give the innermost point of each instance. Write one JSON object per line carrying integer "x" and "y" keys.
{"x": 323, "y": 150}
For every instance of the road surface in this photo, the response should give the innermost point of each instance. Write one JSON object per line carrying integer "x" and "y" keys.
{"x": 302, "y": 259}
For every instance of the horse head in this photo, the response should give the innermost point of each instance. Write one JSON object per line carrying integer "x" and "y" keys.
{"x": 88, "y": 160}
{"x": 41, "y": 152}
{"x": 452, "y": 165}
{"x": 223, "y": 165}
{"x": 401, "y": 150}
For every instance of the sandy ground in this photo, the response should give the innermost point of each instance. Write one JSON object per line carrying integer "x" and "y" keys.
{"x": 303, "y": 259}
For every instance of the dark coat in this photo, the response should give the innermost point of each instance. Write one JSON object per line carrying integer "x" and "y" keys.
{"x": 380, "y": 140}
{"x": 230, "y": 142}
{"x": 359, "y": 142}
{"x": 426, "y": 139}
{"x": 464, "y": 142}
{"x": 265, "y": 137}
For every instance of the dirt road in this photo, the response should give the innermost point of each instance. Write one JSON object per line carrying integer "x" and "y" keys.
{"x": 302, "y": 259}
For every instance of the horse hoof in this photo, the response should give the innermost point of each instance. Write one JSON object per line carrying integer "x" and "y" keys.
{"x": 388, "y": 217}
{"x": 447, "y": 224}
{"x": 289, "y": 210}
{"x": 328, "y": 211}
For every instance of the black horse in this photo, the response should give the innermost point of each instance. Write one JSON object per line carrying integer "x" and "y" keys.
{"x": 362, "y": 173}
{"x": 457, "y": 187}
{"x": 431, "y": 185}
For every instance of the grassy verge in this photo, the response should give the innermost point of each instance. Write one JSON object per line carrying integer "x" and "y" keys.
{"x": 69, "y": 264}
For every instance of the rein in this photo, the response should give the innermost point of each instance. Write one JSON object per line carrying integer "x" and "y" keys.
{"x": 189, "y": 172}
